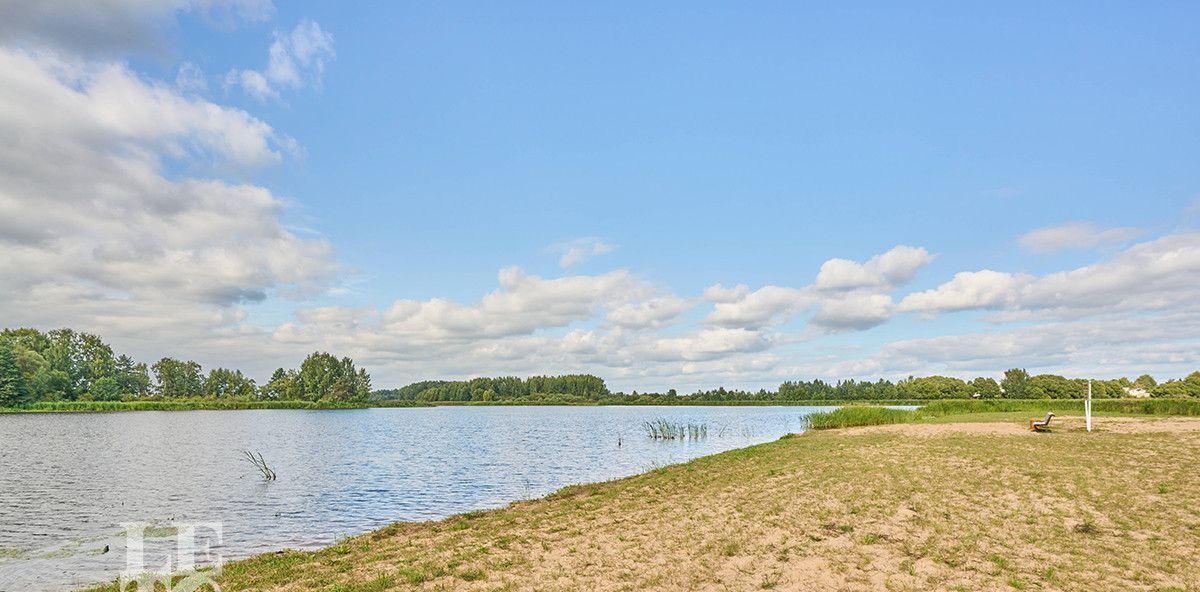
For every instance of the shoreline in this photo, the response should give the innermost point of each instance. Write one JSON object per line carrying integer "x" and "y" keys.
{"x": 1123, "y": 405}
{"x": 996, "y": 508}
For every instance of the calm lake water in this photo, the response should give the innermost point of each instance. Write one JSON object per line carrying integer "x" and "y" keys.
{"x": 69, "y": 481}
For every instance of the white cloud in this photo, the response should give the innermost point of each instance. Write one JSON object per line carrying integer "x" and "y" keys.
{"x": 97, "y": 235}
{"x": 523, "y": 303}
{"x": 721, "y": 294}
{"x": 894, "y": 268}
{"x": 190, "y": 79}
{"x": 1156, "y": 274}
{"x": 1074, "y": 235}
{"x": 1152, "y": 275}
{"x": 253, "y": 83}
{"x": 113, "y": 26}
{"x": 574, "y": 252}
{"x": 854, "y": 312}
{"x": 295, "y": 60}
{"x": 1112, "y": 345}
{"x": 968, "y": 290}
{"x": 708, "y": 344}
{"x": 753, "y": 310}
{"x": 649, "y": 314}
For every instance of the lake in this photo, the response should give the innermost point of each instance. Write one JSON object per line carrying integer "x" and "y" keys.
{"x": 69, "y": 481}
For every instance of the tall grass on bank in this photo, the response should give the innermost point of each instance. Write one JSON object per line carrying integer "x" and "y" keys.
{"x": 192, "y": 405}
{"x": 661, "y": 429}
{"x": 863, "y": 415}
{"x": 858, "y": 415}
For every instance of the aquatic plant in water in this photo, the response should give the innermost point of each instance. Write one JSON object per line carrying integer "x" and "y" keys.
{"x": 662, "y": 429}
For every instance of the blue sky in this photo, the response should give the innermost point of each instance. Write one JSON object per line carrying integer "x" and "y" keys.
{"x": 430, "y": 145}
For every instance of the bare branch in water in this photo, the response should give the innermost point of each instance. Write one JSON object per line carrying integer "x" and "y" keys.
{"x": 260, "y": 465}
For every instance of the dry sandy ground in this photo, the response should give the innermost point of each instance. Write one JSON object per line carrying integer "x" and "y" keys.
{"x": 986, "y": 506}
{"x": 1119, "y": 425}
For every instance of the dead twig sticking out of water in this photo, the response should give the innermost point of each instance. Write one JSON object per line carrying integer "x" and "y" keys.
{"x": 260, "y": 464}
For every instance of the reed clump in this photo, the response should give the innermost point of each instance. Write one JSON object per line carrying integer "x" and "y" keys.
{"x": 858, "y": 415}
{"x": 663, "y": 429}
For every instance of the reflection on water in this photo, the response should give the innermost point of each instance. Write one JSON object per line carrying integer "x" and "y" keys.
{"x": 68, "y": 481}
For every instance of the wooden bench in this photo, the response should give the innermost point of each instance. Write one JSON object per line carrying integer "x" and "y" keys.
{"x": 1041, "y": 425}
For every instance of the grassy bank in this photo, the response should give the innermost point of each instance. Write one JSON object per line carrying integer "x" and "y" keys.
{"x": 826, "y": 510}
{"x": 191, "y": 405}
{"x": 862, "y": 415}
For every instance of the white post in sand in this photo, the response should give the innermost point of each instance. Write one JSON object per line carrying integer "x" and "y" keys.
{"x": 1087, "y": 407}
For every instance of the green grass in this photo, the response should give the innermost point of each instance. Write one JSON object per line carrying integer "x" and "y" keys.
{"x": 997, "y": 410}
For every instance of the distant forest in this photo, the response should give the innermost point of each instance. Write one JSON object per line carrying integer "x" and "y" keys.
{"x": 1016, "y": 384}
{"x": 68, "y": 365}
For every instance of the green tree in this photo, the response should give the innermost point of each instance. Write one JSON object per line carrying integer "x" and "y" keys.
{"x": 324, "y": 377}
{"x": 986, "y": 388}
{"x": 1014, "y": 382}
{"x": 50, "y": 385}
{"x": 1145, "y": 382}
{"x": 223, "y": 383}
{"x": 14, "y": 390}
{"x": 1052, "y": 386}
{"x": 132, "y": 377}
{"x": 934, "y": 387}
{"x": 280, "y": 387}
{"x": 177, "y": 379}
{"x": 105, "y": 388}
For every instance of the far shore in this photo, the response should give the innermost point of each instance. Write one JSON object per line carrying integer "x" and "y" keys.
{"x": 1127, "y": 405}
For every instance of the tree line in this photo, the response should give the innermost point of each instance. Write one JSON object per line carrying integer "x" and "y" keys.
{"x": 503, "y": 388}
{"x": 1016, "y": 384}
{"x": 69, "y": 365}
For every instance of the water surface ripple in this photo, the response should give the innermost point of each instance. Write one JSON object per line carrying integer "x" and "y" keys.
{"x": 68, "y": 481}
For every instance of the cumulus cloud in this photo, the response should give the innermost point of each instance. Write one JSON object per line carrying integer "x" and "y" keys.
{"x": 1074, "y": 235}
{"x": 295, "y": 60}
{"x": 721, "y": 294}
{"x": 522, "y": 304}
{"x": 574, "y": 252}
{"x": 649, "y": 314}
{"x": 968, "y": 290}
{"x": 708, "y": 344}
{"x": 1114, "y": 345}
{"x": 894, "y": 268}
{"x": 854, "y": 312}
{"x": 96, "y": 234}
{"x": 1157, "y": 274}
{"x": 753, "y": 310}
{"x": 88, "y": 27}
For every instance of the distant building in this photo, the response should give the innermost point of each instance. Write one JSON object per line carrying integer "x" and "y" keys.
{"x": 1137, "y": 393}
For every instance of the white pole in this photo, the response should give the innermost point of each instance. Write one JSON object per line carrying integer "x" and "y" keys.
{"x": 1087, "y": 406}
